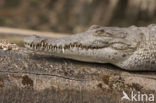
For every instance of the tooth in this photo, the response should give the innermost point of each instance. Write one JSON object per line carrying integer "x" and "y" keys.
{"x": 48, "y": 46}
{"x": 57, "y": 46}
{"x": 63, "y": 50}
{"x": 35, "y": 46}
{"x": 42, "y": 44}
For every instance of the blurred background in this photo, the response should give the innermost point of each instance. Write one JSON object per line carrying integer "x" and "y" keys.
{"x": 71, "y": 16}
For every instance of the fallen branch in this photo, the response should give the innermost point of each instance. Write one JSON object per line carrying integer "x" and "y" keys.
{"x": 20, "y": 33}
{"x": 24, "y": 72}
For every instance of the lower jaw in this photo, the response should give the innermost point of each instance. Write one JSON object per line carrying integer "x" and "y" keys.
{"x": 81, "y": 56}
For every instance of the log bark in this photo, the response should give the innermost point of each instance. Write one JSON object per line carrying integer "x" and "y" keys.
{"x": 26, "y": 76}
{"x": 6, "y": 32}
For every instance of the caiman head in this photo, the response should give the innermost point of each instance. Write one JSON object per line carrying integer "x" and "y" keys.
{"x": 98, "y": 44}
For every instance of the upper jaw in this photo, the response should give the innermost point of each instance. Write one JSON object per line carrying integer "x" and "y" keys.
{"x": 82, "y": 41}
{"x": 73, "y": 41}
{"x": 55, "y": 47}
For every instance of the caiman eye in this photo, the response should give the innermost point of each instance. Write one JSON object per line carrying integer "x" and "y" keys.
{"x": 99, "y": 32}
{"x": 103, "y": 33}
{"x": 119, "y": 46}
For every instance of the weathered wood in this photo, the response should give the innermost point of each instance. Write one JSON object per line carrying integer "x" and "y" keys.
{"x": 6, "y": 32}
{"x": 34, "y": 77}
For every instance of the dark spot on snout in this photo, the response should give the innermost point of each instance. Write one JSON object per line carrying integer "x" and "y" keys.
{"x": 142, "y": 33}
{"x": 124, "y": 55}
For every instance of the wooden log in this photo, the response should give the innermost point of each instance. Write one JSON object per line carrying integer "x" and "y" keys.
{"x": 26, "y": 76}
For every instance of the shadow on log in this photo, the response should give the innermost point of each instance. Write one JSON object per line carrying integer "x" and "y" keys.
{"x": 39, "y": 78}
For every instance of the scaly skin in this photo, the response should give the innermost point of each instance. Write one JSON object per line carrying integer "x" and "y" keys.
{"x": 132, "y": 48}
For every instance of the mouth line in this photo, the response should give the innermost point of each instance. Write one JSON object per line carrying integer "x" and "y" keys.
{"x": 46, "y": 46}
